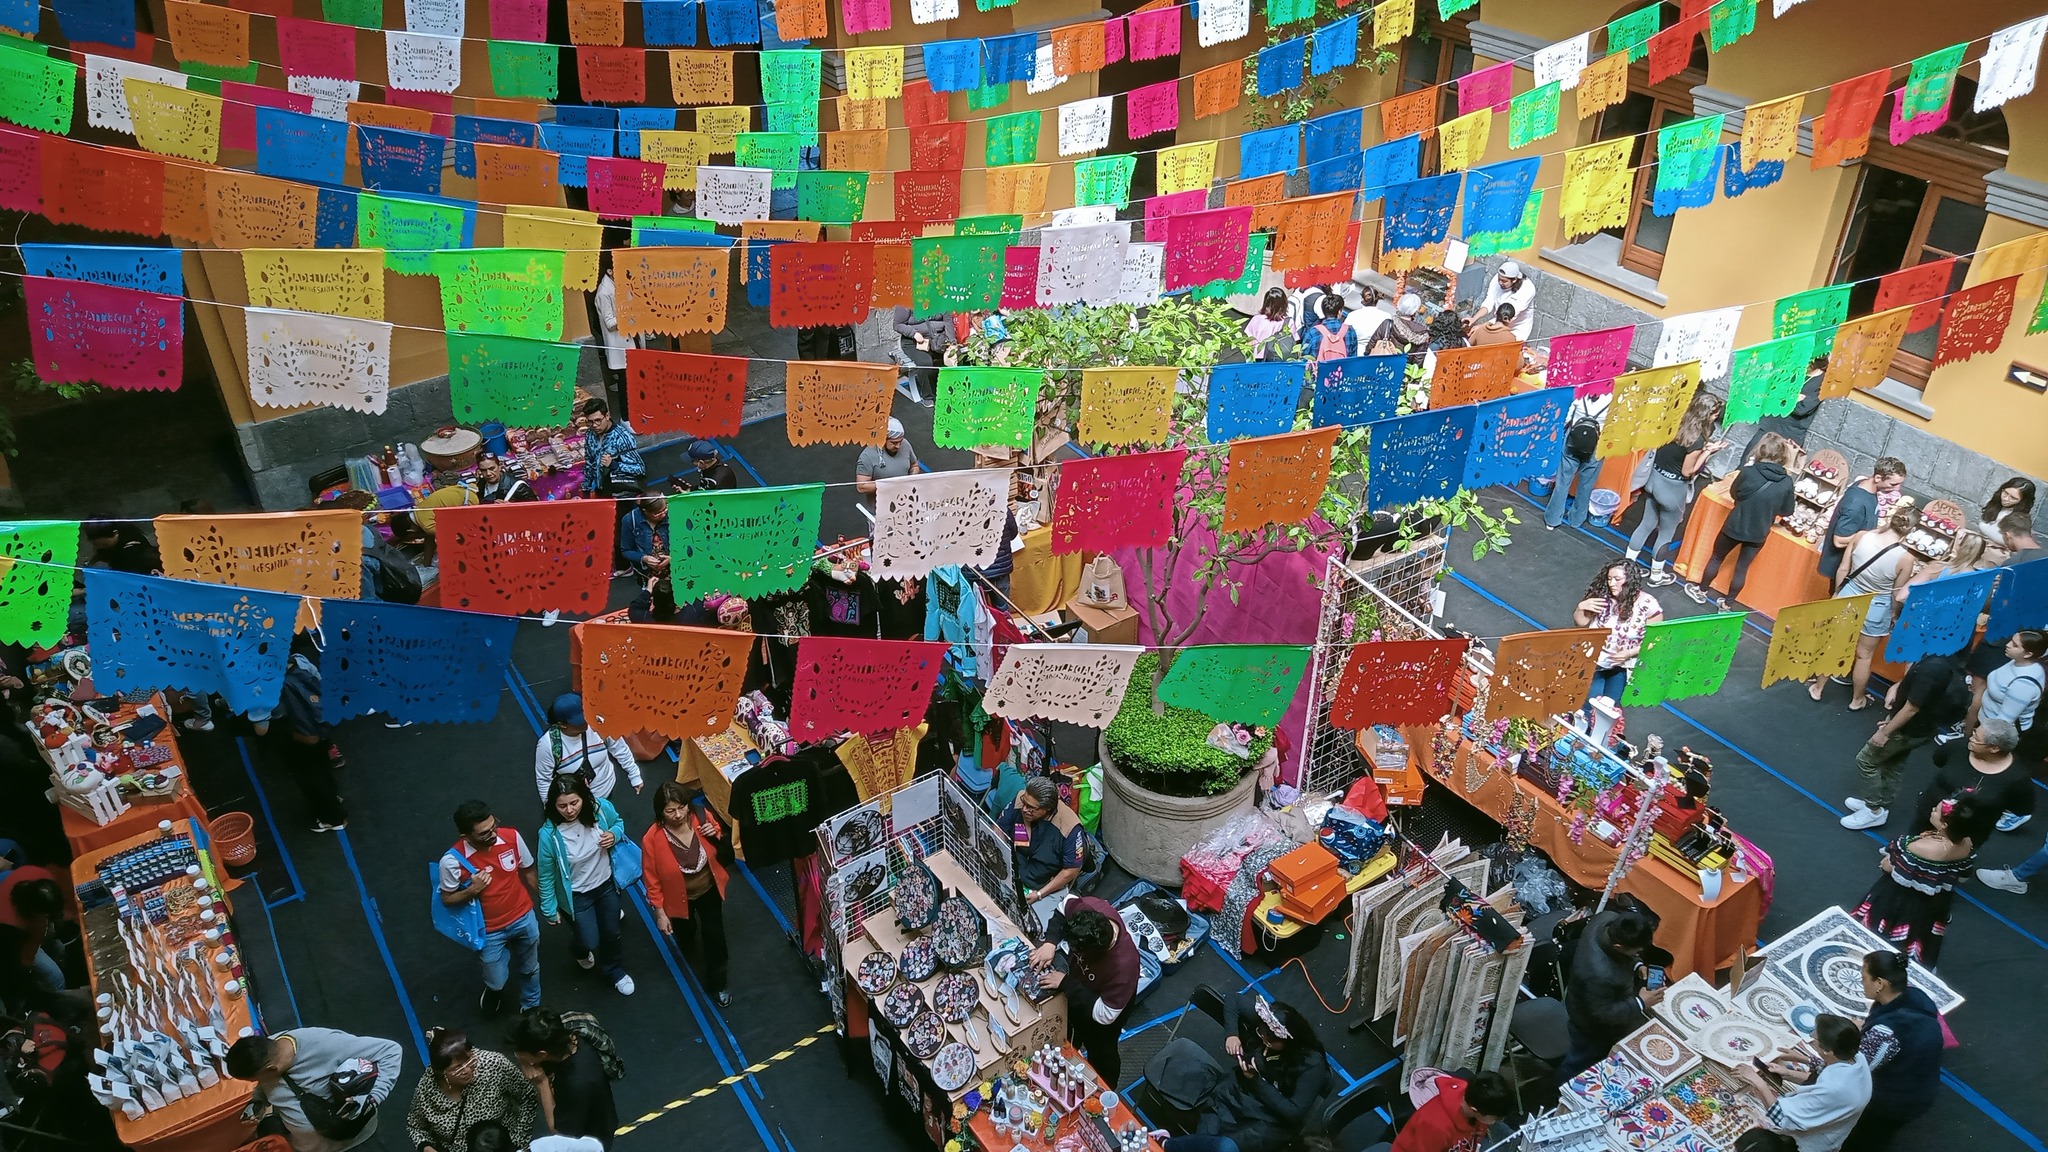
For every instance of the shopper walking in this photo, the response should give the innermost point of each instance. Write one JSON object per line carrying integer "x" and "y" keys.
{"x": 1100, "y": 981}
{"x": 464, "y": 1087}
{"x": 572, "y": 1064}
{"x": 492, "y": 865}
{"x": 1270, "y": 331}
{"x": 1583, "y": 421}
{"x": 1878, "y": 562}
{"x": 1328, "y": 339}
{"x": 1909, "y": 904}
{"x": 1763, "y": 493}
{"x": 576, "y": 877}
{"x": 1617, "y": 601}
{"x": 2015, "y": 879}
{"x": 324, "y": 1086}
{"x": 299, "y": 736}
{"x": 1902, "y": 1041}
{"x": 1932, "y": 694}
{"x": 570, "y": 746}
{"x": 1669, "y": 486}
{"x": 686, "y": 883}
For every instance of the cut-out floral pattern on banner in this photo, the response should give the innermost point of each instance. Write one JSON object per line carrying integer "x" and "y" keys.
{"x": 1647, "y": 408}
{"x": 547, "y": 556}
{"x": 1107, "y": 502}
{"x": 745, "y": 542}
{"x": 1683, "y": 658}
{"x": 979, "y": 407}
{"x": 1517, "y": 438}
{"x": 937, "y": 519}
{"x": 1540, "y": 674}
{"x": 1398, "y": 682}
{"x": 148, "y": 632}
{"x": 1075, "y": 683}
{"x": 671, "y": 291}
{"x": 347, "y": 282}
{"x": 519, "y": 383}
{"x": 1817, "y": 638}
{"x": 36, "y": 562}
{"x": 501, "y": 291}
{"x": 1358, "y": 389}
{"x": 1238, "y": 683}
{"x": 1125, "y": 406}
{"x": 861, "y": 686}
{"x": 1940, "y": 616}
{"x": 701, "y": 395}
{"x": 317, "y": 554}
{"x": 1976, "y": 320}
{"x": 424, "y": 665}
{"x": 299, "y": 358}
{"x": 679, "y": 682}
{"x": 1276, "y": 479}
{"x": 114, "y": 337}
{"x": 839, "y": 402}
{"x": 1417, "y": 457}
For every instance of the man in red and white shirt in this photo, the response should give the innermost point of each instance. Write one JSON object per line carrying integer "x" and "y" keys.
{"x": 492, "y": 865}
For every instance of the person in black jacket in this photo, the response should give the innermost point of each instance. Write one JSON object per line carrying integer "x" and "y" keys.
{"x": 1281, "y": 1073}
{"x": 1902, "y": 1040}
{"x": 1763, "y": 494}
{"x": 1604, "y": 998}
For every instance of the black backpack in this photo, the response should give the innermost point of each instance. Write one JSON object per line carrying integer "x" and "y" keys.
{"x": 394, "y": 577}
{"x": 1582, "y": 439}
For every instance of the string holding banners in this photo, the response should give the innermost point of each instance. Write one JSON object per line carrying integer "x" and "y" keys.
{"x": 1538, "y": 675}
{"x": 1683, "y": 658}
{"x": 1237, "y": 683}
{"x": 423, "y": 665}
{"x": 939, "y": 519}
{"x": 148, "y": 632}
{"x": 1404, "y": 683}
{"x": 679, "y": 682}
{"x": 1817, "y": 638}
{"x": 748, "y": 542}
{"x": 862, "y": 686}
{"x": 543, "y": 556}
{"x": 1109, "y": 502}
{"x": 1076, "y": 683}
{"x": 1276, "y": 479}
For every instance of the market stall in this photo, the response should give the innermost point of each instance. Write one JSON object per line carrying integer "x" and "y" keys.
{"x": 1785, "y": 572}
{"x": 114, "y": 764}
{"x": 927, "y": 961}
{"x": 167, "y": 978}
{"x": 1670, "y": 1084}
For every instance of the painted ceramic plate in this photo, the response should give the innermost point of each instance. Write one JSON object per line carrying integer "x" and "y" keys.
{"x": 877, "y": 972}
{"x": 953, "y": 1067}
{"x": 1801, "y": 1018}
{"x": 1734, "y": 1040}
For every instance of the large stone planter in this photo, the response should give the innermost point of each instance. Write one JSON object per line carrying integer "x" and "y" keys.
{"x": 1148, "y": 832}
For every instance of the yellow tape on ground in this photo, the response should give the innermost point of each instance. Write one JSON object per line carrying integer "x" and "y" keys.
{"x": 729, "y": 1081}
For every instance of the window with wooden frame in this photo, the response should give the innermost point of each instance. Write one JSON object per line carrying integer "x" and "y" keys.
{"x": 1918, "y": 202}
{"x": 1646, "y": 109}
{"x": 1439, "y": 53}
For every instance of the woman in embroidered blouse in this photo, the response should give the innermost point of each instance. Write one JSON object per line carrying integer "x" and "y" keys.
{"x": 1909, "y": 905}
{"x": 464, "y": 1087}
{"x": 1617, "y": 601}
{"x": 686, "y": 882}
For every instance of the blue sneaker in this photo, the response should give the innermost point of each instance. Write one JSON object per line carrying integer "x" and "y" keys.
{"x": 2013, "y": 822}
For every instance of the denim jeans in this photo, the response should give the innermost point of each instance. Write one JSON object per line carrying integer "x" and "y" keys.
{"x": 597, "y": 927}
{"x": 2032, "y": 864}
{"x": 1609, "y": 682}
{"x": 517, "y": 942}
{"x": 1568, "y": 470}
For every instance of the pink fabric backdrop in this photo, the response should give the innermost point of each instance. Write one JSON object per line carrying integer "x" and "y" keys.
{"x": 1280, "y": 603}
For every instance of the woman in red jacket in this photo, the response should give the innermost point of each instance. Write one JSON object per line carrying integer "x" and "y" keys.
{"x": 686, "y": 883}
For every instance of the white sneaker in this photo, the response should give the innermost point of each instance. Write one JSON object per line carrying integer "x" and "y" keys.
{"x": 624, "y": 984}
{"x": 1866, "y": 817}
{"x": 587, "y": 960}
{"x": 195, "y": 724}
{"x": 1856, "y": 804}
{"x": 2002, "y": 879}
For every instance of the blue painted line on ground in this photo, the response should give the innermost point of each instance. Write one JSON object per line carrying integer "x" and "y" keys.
{"x": 291, "y": 997}
{"x": 1127, "y": 1095}
{"x": 1371, "y": 1076}
{"x": 293, "y": 898}
{"x": 1993, "y": 1111}
{"x": 263, "y": 803}
{"x": 742, "y": 461}
{"x": 755, "y": 882}
{"x": 1969, "y": 1094}
{"x": 1156, "y": 1021}
{"x": 1251, "y": 981}
{"x": 376, "y": 921}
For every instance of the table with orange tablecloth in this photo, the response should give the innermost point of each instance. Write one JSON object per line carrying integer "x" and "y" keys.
{"x": 211, "y": 1120}
{"x": 984, "y": 1128}
{"x": 1702, "y": 935}
{"x": 1783, "y": 574}
{"x": 142, "y": 815}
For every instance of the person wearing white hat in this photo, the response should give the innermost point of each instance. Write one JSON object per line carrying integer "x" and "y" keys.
{"x": 1511, "y": 285}
{"x": 894, "y": 458}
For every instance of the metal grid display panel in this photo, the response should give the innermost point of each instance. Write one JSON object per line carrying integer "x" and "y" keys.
{"x": 1329, "y": 759}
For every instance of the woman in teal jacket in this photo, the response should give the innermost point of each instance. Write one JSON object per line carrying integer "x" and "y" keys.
{"x": 576, "y": 841}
